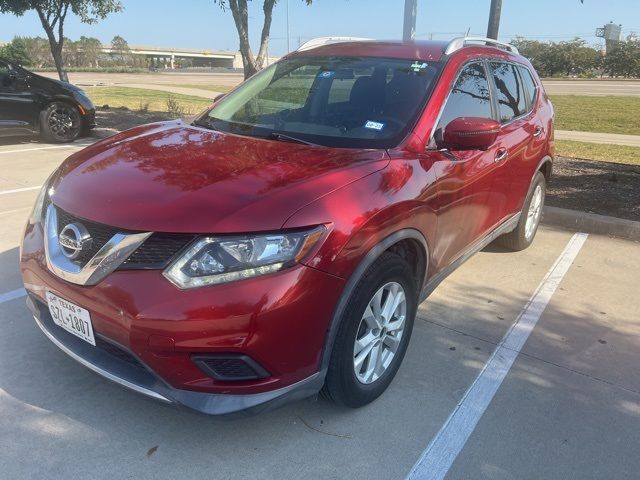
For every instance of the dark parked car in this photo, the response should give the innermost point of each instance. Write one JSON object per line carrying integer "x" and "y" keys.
{"x": 34, "y": 105}
{"x": 281, "y": 243}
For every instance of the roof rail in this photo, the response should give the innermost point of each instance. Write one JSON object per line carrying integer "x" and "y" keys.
{"x": 459, "y": 42}
{"x": 320, "y": 41}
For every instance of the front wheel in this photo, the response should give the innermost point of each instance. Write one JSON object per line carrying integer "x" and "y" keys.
{"x": 530, "y": 216}
{"x": 374, "y": 333}
{"x": 60, "y": 122}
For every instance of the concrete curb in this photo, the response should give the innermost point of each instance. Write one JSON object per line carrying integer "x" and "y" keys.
{"x": 591, "y": 223}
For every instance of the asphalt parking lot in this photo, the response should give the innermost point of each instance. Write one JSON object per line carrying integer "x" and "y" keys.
{"x": 567, "y": 407}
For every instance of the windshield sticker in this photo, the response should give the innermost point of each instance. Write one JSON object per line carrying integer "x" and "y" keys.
{"x": 327, "y": 74}
{"x": 374, "y": 125}
{"x": 417, "y": 66}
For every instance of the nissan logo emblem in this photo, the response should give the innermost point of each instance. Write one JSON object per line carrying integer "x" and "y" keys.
{"x": 72, "y": 239}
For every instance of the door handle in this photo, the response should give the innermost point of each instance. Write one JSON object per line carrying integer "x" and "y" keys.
{"x": 501, "y": 155}
{"x": 537, "y": 131}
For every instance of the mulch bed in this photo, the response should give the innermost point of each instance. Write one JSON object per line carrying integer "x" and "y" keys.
{"x": 596, "y": 187}
{"x": 587, "y": 185}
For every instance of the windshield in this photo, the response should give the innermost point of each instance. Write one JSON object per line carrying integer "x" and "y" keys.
{"x": 358, "y": 102}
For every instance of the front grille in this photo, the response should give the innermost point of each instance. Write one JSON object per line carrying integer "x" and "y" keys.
{"x": 118, "y": 352}
{"x": 100, "y": 234}
{"x": 155, "y": 253}
{"x": 230, "y": 367}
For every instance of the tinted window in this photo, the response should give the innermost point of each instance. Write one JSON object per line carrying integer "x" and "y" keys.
{"x": 529, "y": 84}
{"x": 469, "y": 96}
{"x": 510, "y": 95}
{"x": 333, "y": 101}
{"x": 4, "y": 74}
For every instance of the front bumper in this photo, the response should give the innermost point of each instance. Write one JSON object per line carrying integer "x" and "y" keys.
{"x": 279, "y": 320}
{"x": 145, "y": 382}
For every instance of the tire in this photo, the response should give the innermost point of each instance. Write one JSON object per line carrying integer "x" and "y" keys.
{"x": 525, "y": 232}
{"x": 347, "y": 384}
{"x": 60, "y": 122}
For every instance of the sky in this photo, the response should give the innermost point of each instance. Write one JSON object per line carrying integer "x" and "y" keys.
{"x": 201, "y": 24}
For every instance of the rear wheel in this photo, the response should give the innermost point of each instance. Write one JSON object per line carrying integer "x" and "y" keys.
{"x": 60, "y": 122}
{"x": 530, "y": 216}
{"x": 374, "y": 333}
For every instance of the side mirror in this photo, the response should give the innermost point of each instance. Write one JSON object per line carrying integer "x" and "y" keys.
{"x": 219, "y": 97}
{"x": 470, "y": 133}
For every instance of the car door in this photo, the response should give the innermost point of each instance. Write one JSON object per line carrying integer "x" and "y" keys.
{"x": 466, "y": 204}
{"x": 517, "y": 158}
{"x": 18, "y": 109}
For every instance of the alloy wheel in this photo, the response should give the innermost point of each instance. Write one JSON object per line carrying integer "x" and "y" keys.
{"x": 533, "y": 214}
{"x": 63, "y": 122}
{"x": 379, "y": 333}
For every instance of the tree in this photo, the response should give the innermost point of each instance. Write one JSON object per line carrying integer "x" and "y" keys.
{"x": 120, "y": 51}
{"x": 16, "y": 52}
{"x": 38, "y": 51}
{"x": 89, "y": 50}
{"x": 623, "y": 59}
{"x": 560, "y": 58}
{"x": 240, "y": 12}
{"x": 52, "y": 14}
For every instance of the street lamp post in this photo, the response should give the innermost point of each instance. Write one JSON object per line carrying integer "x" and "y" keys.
{"x": 288, "y": 46}
{"x": 409, "y": 30}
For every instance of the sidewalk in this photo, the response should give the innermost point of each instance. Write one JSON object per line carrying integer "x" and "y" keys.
{"x": 592, "y": 137}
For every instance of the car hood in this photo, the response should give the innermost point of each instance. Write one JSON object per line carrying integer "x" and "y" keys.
{"x": 174, "y": 177}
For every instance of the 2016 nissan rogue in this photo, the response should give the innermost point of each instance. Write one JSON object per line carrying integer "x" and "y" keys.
{"x": 280, "y": 244}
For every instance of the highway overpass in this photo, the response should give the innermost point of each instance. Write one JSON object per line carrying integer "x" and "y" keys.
{"x": 171, "y": 57}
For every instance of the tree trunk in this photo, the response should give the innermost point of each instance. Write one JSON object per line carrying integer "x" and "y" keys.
{"x": 494, "y": 19}
{"x": 240, "y": 14}
{"x": 55, "y": 45}
{"x": 56, "y": 52}
{"x": 266, "y": 28}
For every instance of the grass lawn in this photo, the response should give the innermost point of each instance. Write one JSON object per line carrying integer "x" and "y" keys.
{"x": 597, "y": 114}
{"x": 596, "y": 151}
{"x": 151, "y": 100}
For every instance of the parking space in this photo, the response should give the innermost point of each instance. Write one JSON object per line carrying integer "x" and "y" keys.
{"x": 569, "y": 407}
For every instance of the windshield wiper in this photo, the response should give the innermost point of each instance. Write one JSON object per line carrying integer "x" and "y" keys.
{"x": 205, "y": 122}
{"x": 287, "y": 138}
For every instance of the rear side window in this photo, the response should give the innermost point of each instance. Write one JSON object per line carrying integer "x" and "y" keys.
{"x": 469, "y": 96}
{"x": 529, "y": 84}
{"x": 510, "y": 95}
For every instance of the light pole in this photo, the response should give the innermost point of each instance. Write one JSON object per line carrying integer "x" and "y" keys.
{"x": 409, "y": 30}
{"x": 288, "y": 47}
{"x": 494, "y": 19}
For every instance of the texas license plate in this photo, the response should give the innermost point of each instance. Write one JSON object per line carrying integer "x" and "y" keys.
{"x": 71, "y": 317}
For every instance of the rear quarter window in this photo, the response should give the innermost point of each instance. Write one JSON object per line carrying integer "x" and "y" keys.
{"x": 512, "y": 101}
{"x": 529, "y": 84}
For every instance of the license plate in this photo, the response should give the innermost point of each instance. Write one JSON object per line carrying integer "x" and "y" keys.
{"x": 71, "y": 317}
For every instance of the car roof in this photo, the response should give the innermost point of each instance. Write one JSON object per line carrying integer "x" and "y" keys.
{"x": 426, "y": 50}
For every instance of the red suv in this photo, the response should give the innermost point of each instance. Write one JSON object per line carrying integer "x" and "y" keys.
{"x": 280, "y": 244}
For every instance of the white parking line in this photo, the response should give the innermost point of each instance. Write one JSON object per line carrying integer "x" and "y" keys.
{"x": 436, "y": 460}
{"x": 18, "y": 190}
{"x": 44, "y": 148}
{"x": 12, "y": 295}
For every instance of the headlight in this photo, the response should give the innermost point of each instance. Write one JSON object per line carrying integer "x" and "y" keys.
{"x": 38, "y": 207}
{"x": 213, "y": 260}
